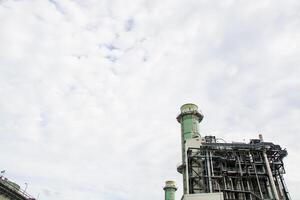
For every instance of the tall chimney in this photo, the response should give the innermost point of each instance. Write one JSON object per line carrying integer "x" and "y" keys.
{"x": 189, "y": 118}
{"x": 170, "y": 189}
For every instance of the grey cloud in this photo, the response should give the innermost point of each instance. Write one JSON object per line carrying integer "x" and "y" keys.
{"x": 58, "y": 6}
{"x": 129, "y": 24}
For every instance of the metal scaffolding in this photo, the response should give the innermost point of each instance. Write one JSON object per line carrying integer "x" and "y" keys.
{"x": 242, "y": 171}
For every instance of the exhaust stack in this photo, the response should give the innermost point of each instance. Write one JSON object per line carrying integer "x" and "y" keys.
{"x": 189, "y": 118}
{"x": 170, "y": 189}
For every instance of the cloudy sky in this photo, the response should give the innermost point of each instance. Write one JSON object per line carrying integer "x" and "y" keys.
{"x": 90, "y": 89}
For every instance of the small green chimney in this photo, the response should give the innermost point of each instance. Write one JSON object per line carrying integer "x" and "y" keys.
{"x": 170, "y": 189}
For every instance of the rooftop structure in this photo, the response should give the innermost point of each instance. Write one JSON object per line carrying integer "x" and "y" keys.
{"x": 213, "y": 169}
{"x": 12, "y": 191}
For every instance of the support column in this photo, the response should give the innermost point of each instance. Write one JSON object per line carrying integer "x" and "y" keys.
{"x": 275, "y": 194}
{"x": 209, "y": 171}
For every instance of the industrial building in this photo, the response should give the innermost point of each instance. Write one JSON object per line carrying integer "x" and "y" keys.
{"x": 12, "y": 191}
{"x": 213, "y": 169}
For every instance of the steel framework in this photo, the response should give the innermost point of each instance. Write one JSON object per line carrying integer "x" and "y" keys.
{"x": 242, "y": 171}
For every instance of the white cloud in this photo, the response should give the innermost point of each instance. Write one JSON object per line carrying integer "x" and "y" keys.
{"x": 90, "y": 89}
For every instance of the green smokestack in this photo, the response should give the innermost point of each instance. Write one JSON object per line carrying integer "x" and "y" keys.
{"x": 189, "y": 118}
{"x": 170, "y": 189}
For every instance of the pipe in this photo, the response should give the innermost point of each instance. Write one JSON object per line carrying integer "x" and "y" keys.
{"x": 208, "y": 171}
{"x": 279, "y": 186}
{"x": 269, "y": 188}
{"x": 249, "y": 189}
{"x": 225, "y": 187}
{"x": 257, "y": 179}
{"x": 275, "y": 194}
{"x": 186, "y": 176}
{"x": 212, "y": 170}
{"x": 286, "y": 193}
{"x": 241, "y": 174}
{"x": 232, "y": 187}
{"x": 211, "y": 164}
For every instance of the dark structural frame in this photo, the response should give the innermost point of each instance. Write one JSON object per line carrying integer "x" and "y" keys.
{"x": 242, "y": 171}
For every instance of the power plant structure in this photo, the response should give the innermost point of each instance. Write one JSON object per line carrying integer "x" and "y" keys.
{"x": 213, "y": 169}
{"x": 12, "y": 191}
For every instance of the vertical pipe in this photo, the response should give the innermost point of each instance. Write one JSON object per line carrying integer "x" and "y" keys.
{"x": 232, "y": 188}
{"x": 286, "y": 193}
{"x": 170, "y": 189}
{"x": 249, "y": 189}
{"x": 269, "y": 188}
{"x": 225, "y": 187}
{"x": 212, "y": 170}
{"x": 208, "y": 171}
{"x": 257, "y": 179}
{"x": 211, "y": 164}
{"x": 279, "y": 187}
{"x": 241, "y": 178}
{"x": 243, "y": 188}
{"x": 275, "y": 194}
{"x": 186, "y": 175}
{"x": 240, "y": 165}
{"x": 258, "y": 182}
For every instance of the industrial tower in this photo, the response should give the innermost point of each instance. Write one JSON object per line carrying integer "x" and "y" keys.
{"x": 213, "y": 169}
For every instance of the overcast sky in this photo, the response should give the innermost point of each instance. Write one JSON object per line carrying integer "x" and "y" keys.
{"x": 90, "y": 89}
